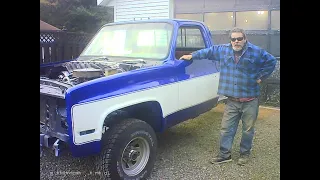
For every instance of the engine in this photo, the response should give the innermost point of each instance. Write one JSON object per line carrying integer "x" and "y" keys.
{"x": 76, "y": 72}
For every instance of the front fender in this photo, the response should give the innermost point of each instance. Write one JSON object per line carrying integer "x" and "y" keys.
{"x": 91, "y": 116}
{"x": 88, "y": 104}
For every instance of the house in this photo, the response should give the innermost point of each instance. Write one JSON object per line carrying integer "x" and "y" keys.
{"x": 260, "y": 18}
{"x": 217, "y": 14}
{"x": 47, "y": 27}
{"x": 46, "y": 36}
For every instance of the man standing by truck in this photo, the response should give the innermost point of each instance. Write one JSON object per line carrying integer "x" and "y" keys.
{"x": 243, "y": 67}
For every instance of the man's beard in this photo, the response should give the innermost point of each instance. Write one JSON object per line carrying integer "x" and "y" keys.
{"x": 237, "y": 51}
{"x": 239, "y": 48}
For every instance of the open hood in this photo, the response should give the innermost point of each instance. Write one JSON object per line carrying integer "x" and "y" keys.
{"x": 58, "y": 78}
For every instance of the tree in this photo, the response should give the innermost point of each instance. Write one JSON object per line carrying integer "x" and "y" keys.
{"x": 75, "y": 15}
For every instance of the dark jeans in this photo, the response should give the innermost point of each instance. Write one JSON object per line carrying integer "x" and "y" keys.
{"x": 234, "y": 111}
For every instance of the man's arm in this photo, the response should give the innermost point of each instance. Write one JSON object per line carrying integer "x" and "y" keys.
{"x": 211, "y": 53}
{"x": 268, "y": 65}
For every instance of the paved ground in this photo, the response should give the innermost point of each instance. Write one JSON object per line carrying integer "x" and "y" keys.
{"x": 184, "y": 152}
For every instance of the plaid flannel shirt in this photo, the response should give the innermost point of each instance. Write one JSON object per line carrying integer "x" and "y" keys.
{"x": 239, "y": 80}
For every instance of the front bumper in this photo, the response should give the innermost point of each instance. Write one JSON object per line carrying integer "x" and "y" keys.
{"x": 51, "y": 140}
{"x": 53, "y": 124}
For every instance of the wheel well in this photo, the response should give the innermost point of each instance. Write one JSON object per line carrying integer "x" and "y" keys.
{"x": 150, "y": 112}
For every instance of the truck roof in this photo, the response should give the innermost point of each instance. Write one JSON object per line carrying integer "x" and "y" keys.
{"x": 155, "y": 20}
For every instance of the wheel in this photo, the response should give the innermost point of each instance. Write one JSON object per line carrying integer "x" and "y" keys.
{"x": 128, "y": 151}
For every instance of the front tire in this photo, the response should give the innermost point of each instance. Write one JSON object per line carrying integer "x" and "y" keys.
{"x": 128, "y": 151}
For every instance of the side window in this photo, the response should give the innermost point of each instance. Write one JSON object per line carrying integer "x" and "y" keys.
{"x": 189, "y": 39}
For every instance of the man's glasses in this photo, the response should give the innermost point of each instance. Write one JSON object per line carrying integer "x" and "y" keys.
{"x": 238, "y": 38}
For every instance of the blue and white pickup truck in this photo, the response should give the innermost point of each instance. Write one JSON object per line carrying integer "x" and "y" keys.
{"x": 127, "y": 85}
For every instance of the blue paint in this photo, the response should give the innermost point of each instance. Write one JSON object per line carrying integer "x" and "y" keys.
{"x": 171, "y": 71}
{"x": 85, "y": 149}
{"x": 120, "y": 84}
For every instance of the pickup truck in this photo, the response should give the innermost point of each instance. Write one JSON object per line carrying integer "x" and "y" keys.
{"x": 126, "y": 86}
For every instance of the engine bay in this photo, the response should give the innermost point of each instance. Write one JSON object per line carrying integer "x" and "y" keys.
{"x": 76, "y": 72}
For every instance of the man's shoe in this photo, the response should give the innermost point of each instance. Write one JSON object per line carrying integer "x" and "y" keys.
{"x": 243, "y": 160}
{"x": 219, "y": 160}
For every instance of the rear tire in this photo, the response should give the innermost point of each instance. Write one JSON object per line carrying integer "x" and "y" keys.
{"x": 128, "y": 151}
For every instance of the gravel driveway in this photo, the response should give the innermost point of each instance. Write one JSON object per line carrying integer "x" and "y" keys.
{"x": 184, "y": 152}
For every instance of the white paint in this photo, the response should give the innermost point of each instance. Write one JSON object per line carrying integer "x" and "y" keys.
{"x": 99, "y": 2}
{"x": 106, "y": 2}
{"x": 171, "y": 8}
{"x": 92, "y": 115}
{"x": 112, "y": 2}
{"x": 130, "y": 10}
{"x": 198, "y": 90}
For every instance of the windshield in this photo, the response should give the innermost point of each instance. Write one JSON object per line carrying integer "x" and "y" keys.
{"x": 145, "y": 40}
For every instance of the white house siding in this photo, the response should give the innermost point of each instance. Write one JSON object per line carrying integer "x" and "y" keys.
{"x": 130, "y": 10}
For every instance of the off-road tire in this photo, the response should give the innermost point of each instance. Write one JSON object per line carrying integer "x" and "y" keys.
{"x": 114, "y": 141}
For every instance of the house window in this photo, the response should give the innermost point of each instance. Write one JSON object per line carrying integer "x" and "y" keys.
{"x": 252, "y": 20}
{"x": 219, "y": 21}
{"x": 275, "y": 20}
{"x": 197, "y": 17}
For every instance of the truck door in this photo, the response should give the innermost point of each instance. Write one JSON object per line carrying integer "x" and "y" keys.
{"x": 198, "y": 84}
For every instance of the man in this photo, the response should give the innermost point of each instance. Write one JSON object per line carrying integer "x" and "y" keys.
{"x": 243, "y": 67}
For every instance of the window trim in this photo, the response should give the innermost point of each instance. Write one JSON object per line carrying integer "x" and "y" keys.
{"x": 271, "y": 19}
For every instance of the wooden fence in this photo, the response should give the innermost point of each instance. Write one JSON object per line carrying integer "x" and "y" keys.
{"x": 58, "y": 46}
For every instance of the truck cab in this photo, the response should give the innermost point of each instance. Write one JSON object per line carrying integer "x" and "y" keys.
{"x": 127, "y": 85}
